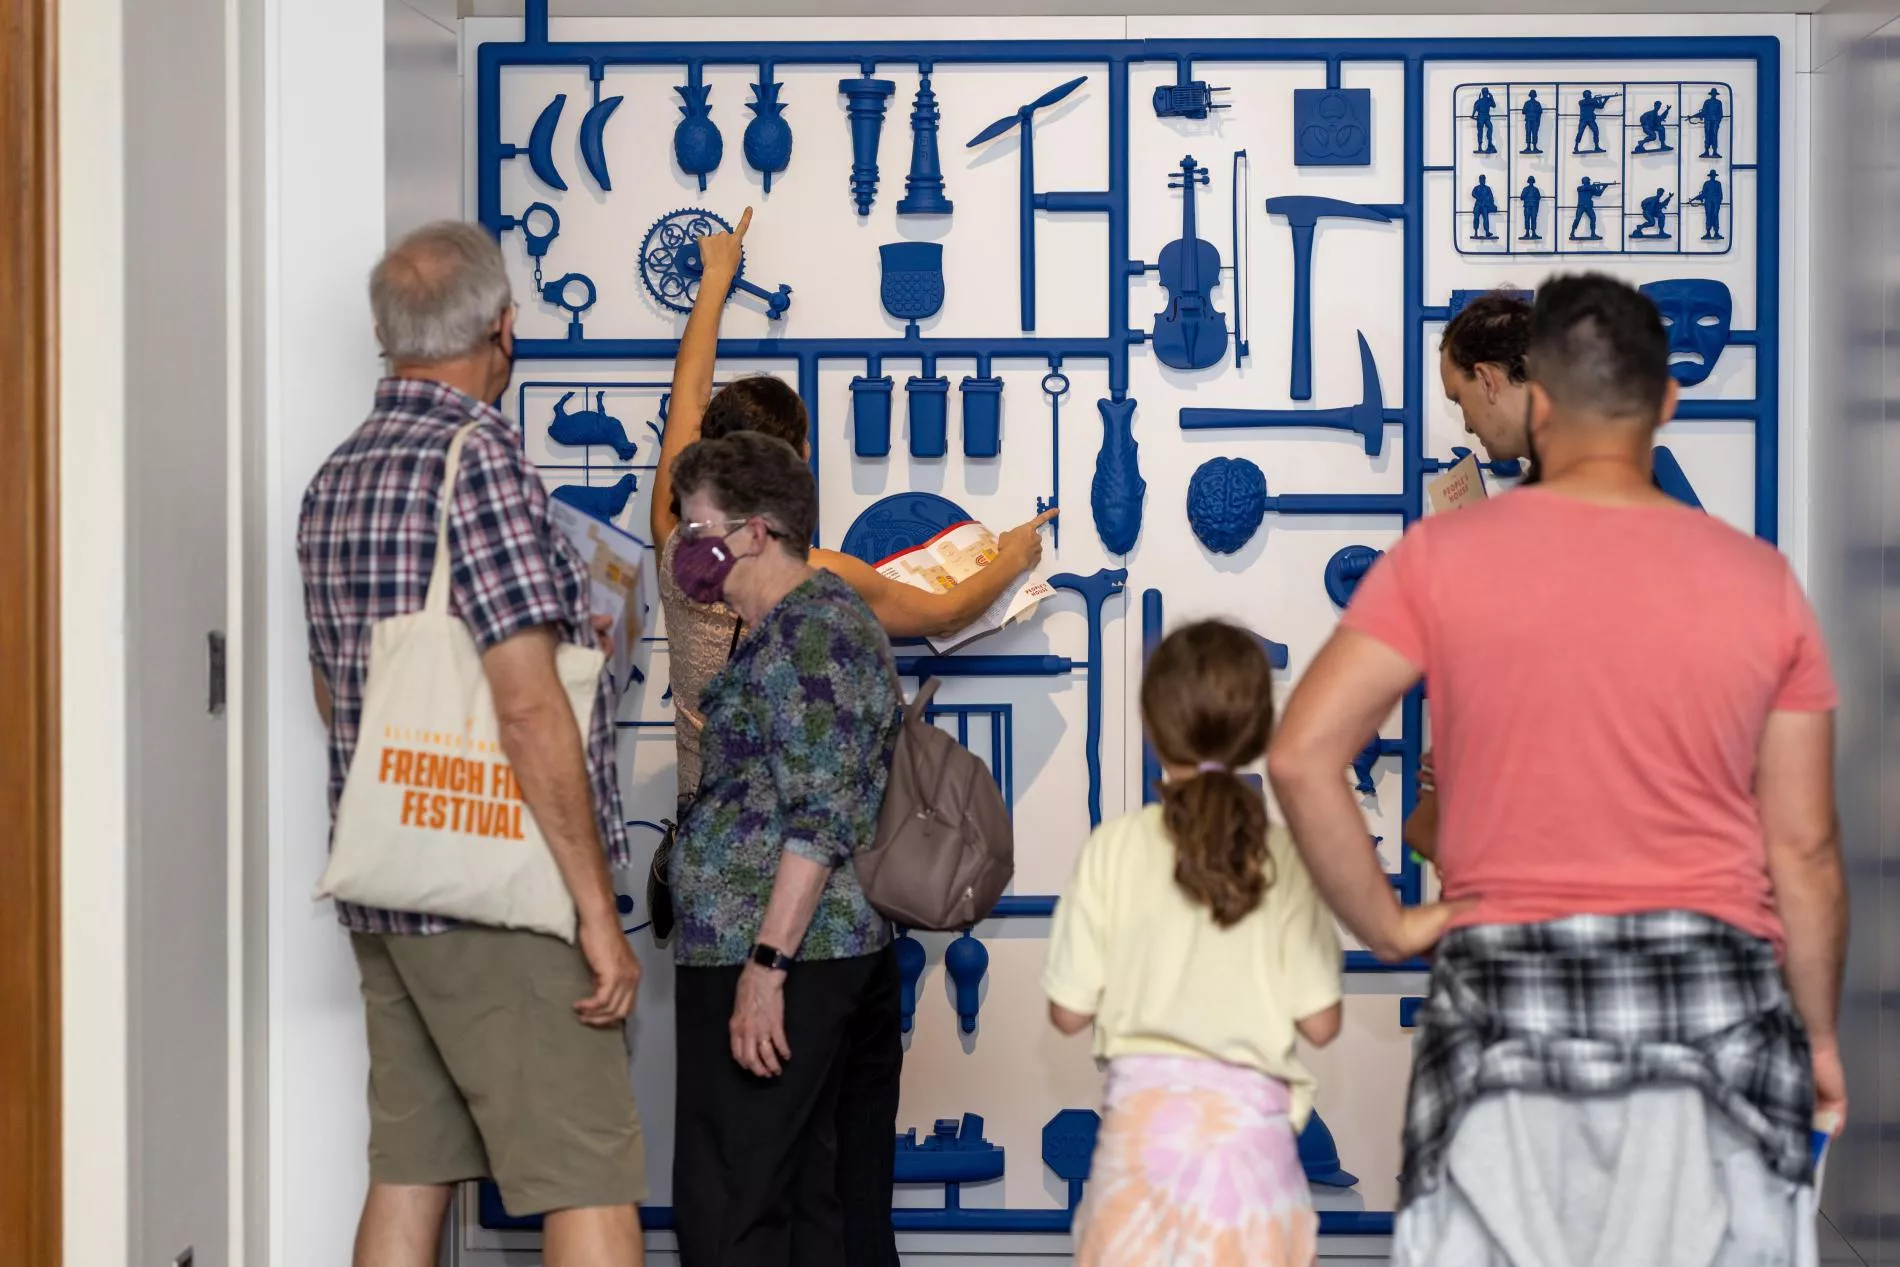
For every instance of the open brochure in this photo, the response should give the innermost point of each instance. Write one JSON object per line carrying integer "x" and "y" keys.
{"x": 616, "y": 564}
{"x": 954, "y": 556}
{"x": 1459, "y": 487}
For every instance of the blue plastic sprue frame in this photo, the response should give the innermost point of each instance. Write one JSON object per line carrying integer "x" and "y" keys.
{"x": 1107, "y": 63}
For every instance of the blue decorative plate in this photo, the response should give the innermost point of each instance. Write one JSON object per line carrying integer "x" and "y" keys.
{"x": 900, "y": 522}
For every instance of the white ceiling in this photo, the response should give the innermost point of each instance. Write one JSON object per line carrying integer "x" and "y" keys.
{"x": 1111, "y": 8}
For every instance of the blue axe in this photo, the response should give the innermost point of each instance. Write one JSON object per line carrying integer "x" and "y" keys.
{"x": 1369, "y": 417}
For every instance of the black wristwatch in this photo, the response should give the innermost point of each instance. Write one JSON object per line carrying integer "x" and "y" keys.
{"x": 766, "y": 957}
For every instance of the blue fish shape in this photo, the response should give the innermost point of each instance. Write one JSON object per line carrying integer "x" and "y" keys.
{"x": 1117, "y": 491}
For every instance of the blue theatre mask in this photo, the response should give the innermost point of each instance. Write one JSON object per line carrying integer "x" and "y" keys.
{"x": 1696, "y": 312}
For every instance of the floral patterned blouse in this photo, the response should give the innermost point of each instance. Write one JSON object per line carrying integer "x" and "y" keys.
{"x": 800, "y": 729}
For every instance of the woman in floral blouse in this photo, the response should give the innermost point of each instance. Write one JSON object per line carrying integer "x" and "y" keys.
{"x": 786, "y": 987}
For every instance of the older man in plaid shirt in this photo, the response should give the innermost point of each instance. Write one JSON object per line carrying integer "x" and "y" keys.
{"x": 493, "y": 1053}
{"x": 1632, "y": 1022}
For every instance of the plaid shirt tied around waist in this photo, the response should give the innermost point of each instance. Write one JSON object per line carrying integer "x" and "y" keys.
{"x": 1600, "y": 1005}
{"x": 366, "y": 541}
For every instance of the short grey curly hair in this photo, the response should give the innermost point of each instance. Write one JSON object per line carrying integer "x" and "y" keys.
{"x": 437, "y": 292}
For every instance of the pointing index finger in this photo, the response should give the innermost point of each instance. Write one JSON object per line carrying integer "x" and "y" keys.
{"x": 745, "y": 222}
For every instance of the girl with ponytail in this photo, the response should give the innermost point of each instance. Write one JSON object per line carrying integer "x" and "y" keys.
{"x": 1194, "y": 942}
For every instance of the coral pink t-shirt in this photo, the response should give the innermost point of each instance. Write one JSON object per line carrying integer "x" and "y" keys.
{"x": 1598, "y": 679}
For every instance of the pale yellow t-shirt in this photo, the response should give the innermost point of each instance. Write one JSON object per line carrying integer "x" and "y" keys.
{"x": 1161, "y": 978}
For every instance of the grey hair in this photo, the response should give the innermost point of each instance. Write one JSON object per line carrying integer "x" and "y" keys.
{"x": 437, "y": 292}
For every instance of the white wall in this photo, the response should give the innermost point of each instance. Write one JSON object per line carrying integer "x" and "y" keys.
{"x": 323, "y": 213}
{"x": 92, "y": 602}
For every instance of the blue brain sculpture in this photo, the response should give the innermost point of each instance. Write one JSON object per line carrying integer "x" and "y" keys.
{"x": 1226, "y": 500}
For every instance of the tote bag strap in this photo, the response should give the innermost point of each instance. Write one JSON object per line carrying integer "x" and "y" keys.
{"x": 437, "y": 602}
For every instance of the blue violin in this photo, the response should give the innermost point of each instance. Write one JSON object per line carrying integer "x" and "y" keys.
{"x": 1190, "y": 333}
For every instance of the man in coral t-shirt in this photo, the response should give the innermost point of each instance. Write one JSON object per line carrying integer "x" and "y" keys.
{"x": 1634, "y": 758}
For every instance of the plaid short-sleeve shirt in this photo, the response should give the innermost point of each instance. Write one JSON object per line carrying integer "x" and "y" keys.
{"x": 366, "y": 541}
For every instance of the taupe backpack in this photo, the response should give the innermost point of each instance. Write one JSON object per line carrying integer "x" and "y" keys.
{"x": 945, "y": 849}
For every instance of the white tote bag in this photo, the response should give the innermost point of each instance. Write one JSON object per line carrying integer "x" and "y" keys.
{"x": 431, "y": 818}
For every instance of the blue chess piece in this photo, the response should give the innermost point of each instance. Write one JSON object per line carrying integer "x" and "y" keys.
{"x": 1588, "y": 191}
{"x": 1533, "y": 198}
{"x": 1587, "y": 107}
{"x": 1484, "y": 202}
{"x": 605, "y": 502}
{"x": 1710, "y": 117}
{"x": 1654, "y": 122}
{"x": 1533, "y": 120}
{"x": 1481, "y": 115}
{"x": 590, "y": 426}
{"x": 1655, "y": 208}
{"x": 1710, "y": 200}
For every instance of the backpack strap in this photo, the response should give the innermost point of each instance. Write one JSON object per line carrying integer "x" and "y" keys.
{"x": 914, "y": 711}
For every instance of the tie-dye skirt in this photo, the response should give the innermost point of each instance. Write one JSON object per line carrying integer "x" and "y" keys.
{"x": 1196, "y": 1165}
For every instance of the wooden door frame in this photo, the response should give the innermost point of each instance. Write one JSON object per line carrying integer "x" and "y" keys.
{"x": 30, "y": 1158}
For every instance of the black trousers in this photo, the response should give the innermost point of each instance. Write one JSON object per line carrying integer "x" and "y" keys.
{"x": 793, "y": 1171}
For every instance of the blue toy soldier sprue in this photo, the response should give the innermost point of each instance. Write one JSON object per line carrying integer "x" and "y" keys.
{"x": 1587, "y": 107}
{"x": 1481, "y": 115}
{"x": 1533, "y": 120}
{"x": 1588, "y": 191}
{"x": 1655, "y": 122}
{"x": 1710, "y": 200}
{"x": 1710, "y": 117}
{"x": 1483, "y": 203}
{"x": 1654, "y": 223}
{"x": 1532, "y": 197}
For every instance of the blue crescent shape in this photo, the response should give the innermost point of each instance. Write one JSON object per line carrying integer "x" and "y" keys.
{"x": 541, "y": 144}
{"x": 593, "y": 147}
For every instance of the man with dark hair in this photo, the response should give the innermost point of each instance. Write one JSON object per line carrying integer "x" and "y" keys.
{"x": 786, "y": 990}
{"x": 1632, "y": 1020}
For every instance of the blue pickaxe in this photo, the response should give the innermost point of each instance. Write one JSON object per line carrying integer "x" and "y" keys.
{"x": 1302, "y": 212}
{"x": 1095, "y": 590}
{"x": 1368, "y": 418}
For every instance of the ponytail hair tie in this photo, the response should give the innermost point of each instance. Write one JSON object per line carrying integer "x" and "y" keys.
{"x": 1211, "y": 767}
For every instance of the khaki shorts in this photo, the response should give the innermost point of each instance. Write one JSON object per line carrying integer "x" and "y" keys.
{"x": 478, "y": 1068}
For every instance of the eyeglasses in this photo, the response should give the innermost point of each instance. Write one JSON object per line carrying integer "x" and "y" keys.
{"x": 692, "y": 530}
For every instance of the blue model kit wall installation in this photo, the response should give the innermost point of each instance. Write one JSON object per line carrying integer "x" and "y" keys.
{"x": 1697, "y": 313}
{"x": 965, "y": 961}
{"x": 982, "y": 415}
{"x": 1670, "y": 477}
{"x": 768, "y": 138}
{"x": 1055, "y": 385}
{"x": 1116, "y": 493}
{"x": 911, "y": 281}
{"x": 1110, "y": 62}
{"x": 865, "y": 101}
{"x": 1189, "y": 333}
{"x": 1319, "y": 1155}
{"x": 1024, "y": 121}
{"x": 670, "y": 265}
{"x": 1620, "y": 183}
{"x": 1367, "y": 419}
{"x": 929, "y": 397}
{"x": 1191, "y": 99}
{"x": 1226, "y": 500}
{"x": 1303, "y": 212}
{"x": 603, "y": 502}
{"x": 1346, "y": 569}
{"x": 575, "y": 292}
{"x": 697, "y": 144}
{"x": 1332, "y": 127}
{"x": 591, "y": 426}
{"x": 910, "y": 970}
{"x": 923, "y": 187}
{"x": 594, "y": 133}
{"x": 954, "y": 1152}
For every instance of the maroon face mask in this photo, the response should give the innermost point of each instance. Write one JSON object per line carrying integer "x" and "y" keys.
{"x": 701, "y": 566}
